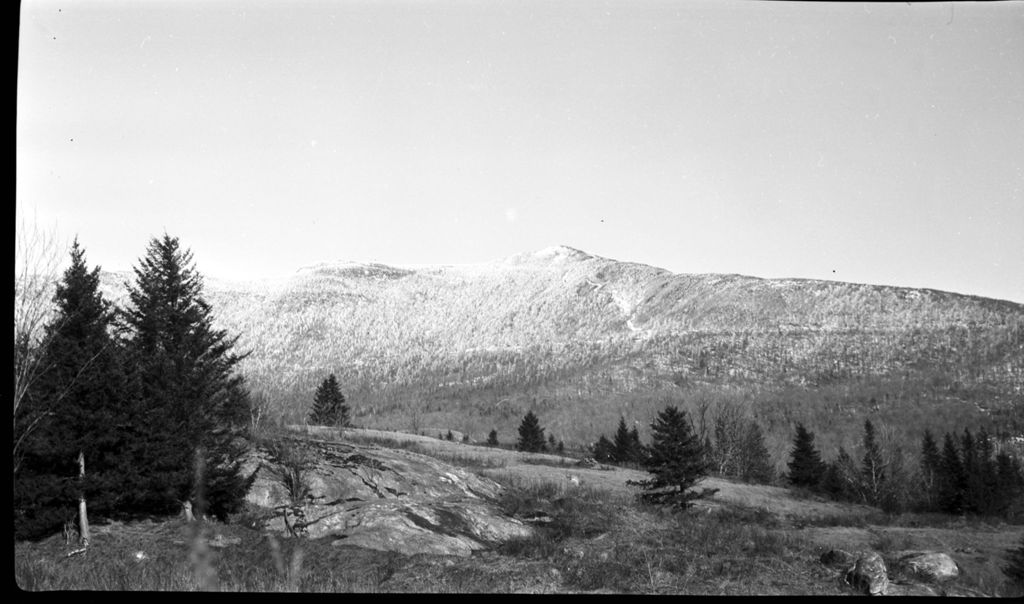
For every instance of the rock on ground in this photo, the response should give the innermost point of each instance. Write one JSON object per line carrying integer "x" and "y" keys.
{"x": 930, "y": 566}
{"x": 377, "y": 498}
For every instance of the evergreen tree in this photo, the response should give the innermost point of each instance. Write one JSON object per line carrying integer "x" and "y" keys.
{"x": 754, "y": 461}
{"x": 492, "y": 439}
{"x": 983, "y": 487}
{"x": 623, "y": 443}
{"x": 194, "y": 403}
{"x": 449, "y": 436}
{"x": 604, "y": 450}
{"x": 638, "y": 450}
{"x": 1009, "y": 482}
{"x": 952, "y": 479}
{"x": 805, "y": 465}
{"x": 839, "y": 478}
{"x": 82, "y": 399}
{"x": 931, "y": 467}
{"x": 971, "y": 469}
{"x": 552, "y": 443}
{"x": 531, "y": 435}
{"x": 329, "y": 408}
{"x": 677, "y": 460}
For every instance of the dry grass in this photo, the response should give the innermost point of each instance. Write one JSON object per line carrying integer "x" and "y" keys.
{"x": 595, "y": 538}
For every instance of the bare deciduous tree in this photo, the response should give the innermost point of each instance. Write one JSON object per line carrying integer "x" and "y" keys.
{"x": 37, "y": 257}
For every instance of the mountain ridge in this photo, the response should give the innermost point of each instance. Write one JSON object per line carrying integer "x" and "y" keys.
{"x": 584, "y": 338}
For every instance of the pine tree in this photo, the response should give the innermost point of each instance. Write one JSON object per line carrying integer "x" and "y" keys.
{"x": 623, "y": 443}
{"x": 492, "y": 438}
{"x": 638, "y": 450}
{"x": 971, "y": 469}
{"x": 84, "y": 412}
{"x": 193, "y": 400}
{"x": 677, "y": 461}
{"x": 531, "y": 435}
{"x": 604, "y": 450}
{"x": 329, "y": 408}
{"x": 754, "y": 461}
{"x": 931, "y": 467}
{"x": 552, "y": 443}
{"x": 839, "y": 478}
{"x": 952, "y": 479}
{"x": 805, "y": 465}
{"x": 1009, "y": 482}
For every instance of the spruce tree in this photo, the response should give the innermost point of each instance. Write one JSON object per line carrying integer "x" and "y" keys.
{"x": 676, "y": 460}
{"x": 82, "y": 399}
{"x": 194, "y": 401}
{"x": 604, "y": 450}
{"x": 1009, "y": 482}
{"x": 838, "y": 480}
{"x": 755, "y": 462}
{"x": 952, "y": 480}
{"x": 971, "y": 469}
{"x": 531, "y": 435}
{"x": 805, "y": 465}
{"x": 623, "y": 443}
{"x": 492, "y": 438}
{"x": 638, "y": 450}
{"x": 931, "y": 467}
{"x": 329, "y": 408}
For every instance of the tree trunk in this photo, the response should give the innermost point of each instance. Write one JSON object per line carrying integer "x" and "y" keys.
{"x": 83, "y": 516}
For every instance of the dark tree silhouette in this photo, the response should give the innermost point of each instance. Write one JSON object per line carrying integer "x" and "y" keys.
{"x": 677, "y": 461}
{"x": 805, "y": 465}
{"x": 531, "y": 435}
{"x": 952, "y": 480}
{"x": 79, "y": 410}
{"x": 194, "y": 402}
{"x": 329, "y": 408}
{"x": 604, "y": 450}
{"x": 492, "y": 438}
{"x": 931, "y": 468}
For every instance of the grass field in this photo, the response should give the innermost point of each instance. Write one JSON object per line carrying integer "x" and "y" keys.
{"x": 745, "y": 540}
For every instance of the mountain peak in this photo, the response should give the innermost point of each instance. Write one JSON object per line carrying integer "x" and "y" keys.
{"x": 554, "y": 253}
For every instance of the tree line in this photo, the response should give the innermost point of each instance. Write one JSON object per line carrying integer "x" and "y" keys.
{"x": 967, "y": 475}
{"x": 133, "y": 411}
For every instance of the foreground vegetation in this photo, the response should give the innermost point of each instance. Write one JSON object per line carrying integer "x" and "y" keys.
{"x": 590, "y": 538}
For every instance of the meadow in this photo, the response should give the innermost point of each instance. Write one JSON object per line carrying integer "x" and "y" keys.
{"x": 596, "y": 538}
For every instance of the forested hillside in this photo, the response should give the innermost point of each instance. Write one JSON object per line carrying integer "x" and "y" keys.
{"x": 581, "y": 340}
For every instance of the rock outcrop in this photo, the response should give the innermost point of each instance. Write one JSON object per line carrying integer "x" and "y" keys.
{"x": 384, "y": 499}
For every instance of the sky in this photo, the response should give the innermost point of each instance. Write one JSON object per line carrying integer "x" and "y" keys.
{"x": 873, "y": 143}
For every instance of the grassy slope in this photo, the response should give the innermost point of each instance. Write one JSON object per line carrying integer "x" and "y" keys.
{"x": 746, "y": 540}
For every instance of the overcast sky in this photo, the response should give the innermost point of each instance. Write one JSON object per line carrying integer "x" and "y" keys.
{"x": 873, "y": 143}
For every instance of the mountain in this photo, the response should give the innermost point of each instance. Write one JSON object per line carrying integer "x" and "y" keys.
{"x": 582, "y": 339}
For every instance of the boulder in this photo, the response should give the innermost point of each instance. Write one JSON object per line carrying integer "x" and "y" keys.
{"x": 869, "y": 574}
{"x": 383, "y": 499}
{"x": 929, "y": 566}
